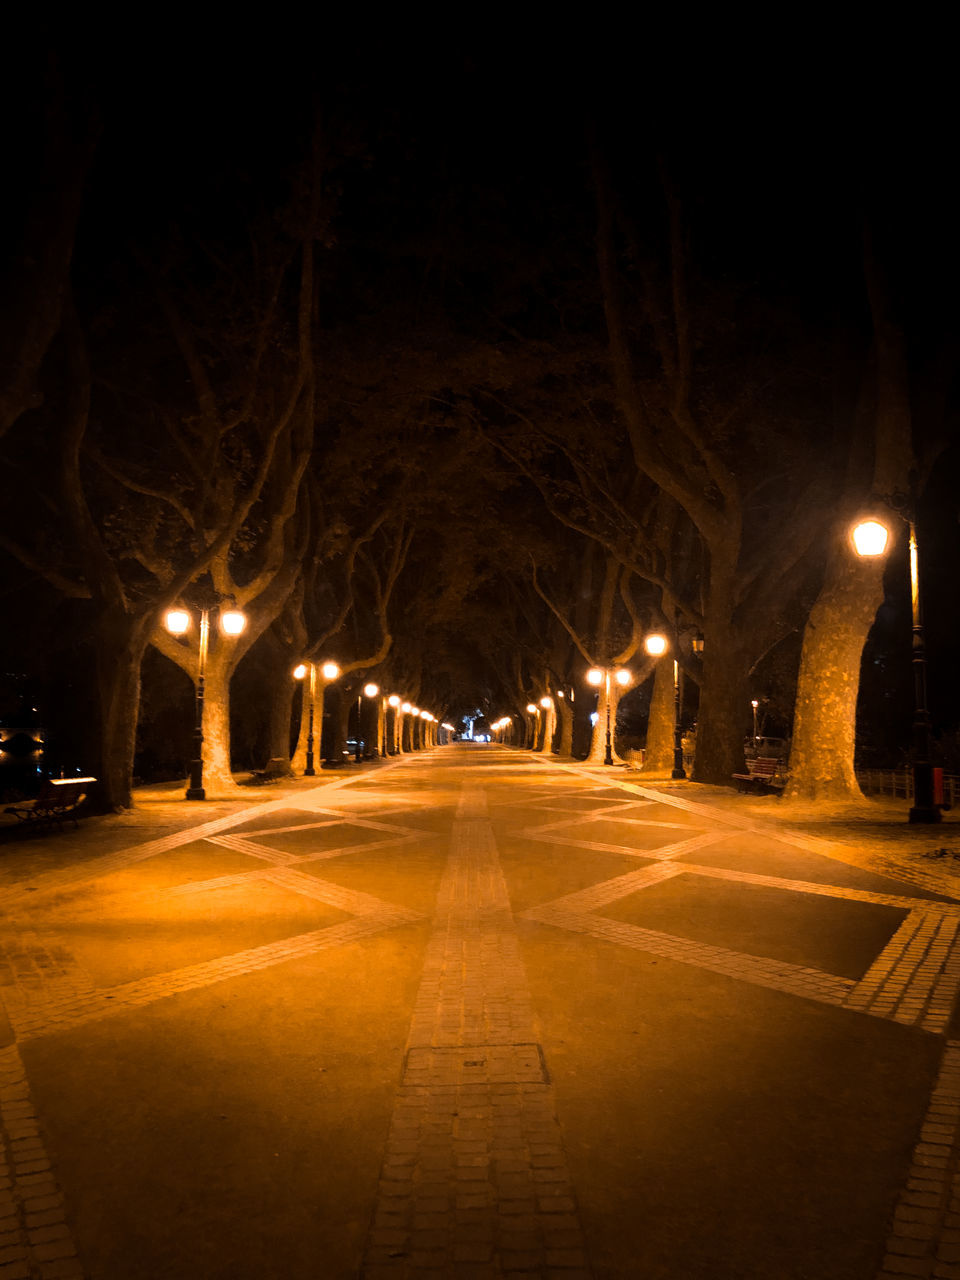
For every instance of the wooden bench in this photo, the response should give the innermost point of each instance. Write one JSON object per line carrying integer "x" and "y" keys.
{"x": 57, "y": 800}
{"x": 278, "y": 767}
{"x": 763, "y": 772}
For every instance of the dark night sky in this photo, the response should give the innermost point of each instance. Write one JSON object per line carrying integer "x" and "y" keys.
{"x": 469, "y": 159}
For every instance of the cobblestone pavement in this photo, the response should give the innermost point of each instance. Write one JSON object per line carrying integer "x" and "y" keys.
{"x": 478, "y": 1014}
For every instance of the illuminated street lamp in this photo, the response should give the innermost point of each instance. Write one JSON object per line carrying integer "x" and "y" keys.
{"x": 177, "y": 622}
{"x": 550, "y": 723}
{"x": 755, "y": 704}
{"x": 598, "y": 676}
{"x": 368, "y": 691}
{"x": 657, "y": 645}
{"x": 870, "y": 538}
{"x": 534, "y": 710}
{"x": 329, "y": 671}
{"x": 394, "y": 703}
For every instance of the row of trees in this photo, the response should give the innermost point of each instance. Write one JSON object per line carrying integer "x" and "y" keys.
{"x": 472, "y": 456}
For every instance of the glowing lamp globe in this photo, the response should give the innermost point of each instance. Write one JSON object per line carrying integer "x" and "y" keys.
{"x": 870, "y": 538}
{"x": 371, "y": 690}
{"x": 655, "y": 645}
{"x": 300, "y": 671}
{"x": 233, "y": 622}
{"x": 330, "y": 670}
{"x": 623, "y": 676}
{"x": 394, "y": 700}
{"x": 595, "y": 676}
{"x": 177, "y": 621}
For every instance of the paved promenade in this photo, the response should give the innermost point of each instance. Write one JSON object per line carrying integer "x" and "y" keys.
{"x": 476, "y": 1014}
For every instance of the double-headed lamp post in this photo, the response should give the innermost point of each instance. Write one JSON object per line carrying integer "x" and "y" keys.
{"x": 870, "y": 538}
{"x": 598, "y": 676}
{"x": 329, "y": 671}
{"x": 177, "y": 622}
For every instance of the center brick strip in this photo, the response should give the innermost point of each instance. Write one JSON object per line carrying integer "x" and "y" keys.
{"x": 474, "y": 1175}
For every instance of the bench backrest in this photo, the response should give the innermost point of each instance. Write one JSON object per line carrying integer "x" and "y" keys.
{"x": 765, "y": 766}
{"x": 63, "y": 790}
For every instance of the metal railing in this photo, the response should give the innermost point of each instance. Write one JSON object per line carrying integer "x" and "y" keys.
{"x": 899, "y": 783}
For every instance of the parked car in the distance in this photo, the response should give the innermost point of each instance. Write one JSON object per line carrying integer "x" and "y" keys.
{"x": 767, "y": 748}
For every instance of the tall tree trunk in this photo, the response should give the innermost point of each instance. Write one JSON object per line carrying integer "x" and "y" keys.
{"x": 723, "y": 703}
{"x": 598, "y": 740}
{"x": 342, "y": 723}
{"x": 281, "y": 693}
{"x": 565, "y": 714}
{"x": 658, "y": 753}
{"x": 298, "y": 762}
{"x": 217, "y": 774}
{"x": 549, "y": 728}
{"x": 120, "y": 646}
{"x": 822, "y": 751}
{"x": 824, "y": 726}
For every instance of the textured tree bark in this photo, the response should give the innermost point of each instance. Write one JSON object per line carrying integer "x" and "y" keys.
{"x": 598, "y": 739}
{"x": 658, "y": 754}
{"x": 281, "y": 715}
{"x": 217, "y": 775}
{"x": 723, "y": 705}
{"x": 549, "y": 729}
{"x": 822, "y": 751}
{"x": 565, "y": 714}
{"x": 120, "y": 647}
{"x": 824, "y": 727}
{"x": 298, "y": 761}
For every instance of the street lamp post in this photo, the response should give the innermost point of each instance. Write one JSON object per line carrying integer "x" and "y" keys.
{"x": 177, "y": 622}
{"x": 656, "y": 645}
{"x": 370, "y": 691}
{"x": 549, "y": 724}
{"x": 534, "y": 711}
{"x": 394, "y": 702}
{"x": 598, "y": 677}
{"x": 299, "y": 672}
{"x": 870, "y": 539}
{"x": 755, "y": 704}
{"x": 329, "y": 671}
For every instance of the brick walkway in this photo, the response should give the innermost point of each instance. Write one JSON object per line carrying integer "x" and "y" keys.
{"x": 474, "y": 1181}
{"x": 523, "y": 895}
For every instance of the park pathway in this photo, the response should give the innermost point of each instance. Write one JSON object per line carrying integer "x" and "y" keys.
{"x": 477, "y": 1014}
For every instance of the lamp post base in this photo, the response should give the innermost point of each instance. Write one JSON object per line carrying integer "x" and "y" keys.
{"x": 921, "y": 813}
{"x": 196, "y": 793}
